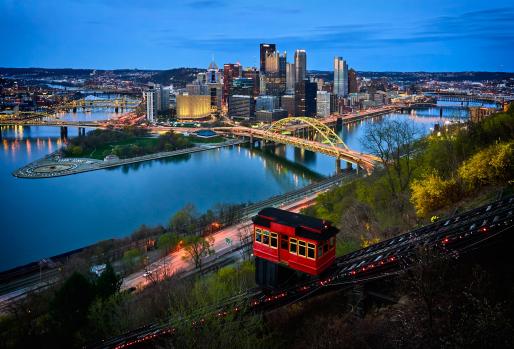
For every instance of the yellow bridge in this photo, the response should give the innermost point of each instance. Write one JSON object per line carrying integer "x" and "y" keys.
{"x": 121, "y": 103}
{"x": 315, "y": 136}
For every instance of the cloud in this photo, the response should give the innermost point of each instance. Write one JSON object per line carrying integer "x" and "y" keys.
{"x": 199, "y": 4}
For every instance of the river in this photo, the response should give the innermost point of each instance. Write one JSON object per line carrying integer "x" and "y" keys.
{"x": 44, "y": 217}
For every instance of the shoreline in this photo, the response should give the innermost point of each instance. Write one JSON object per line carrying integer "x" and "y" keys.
{"x": 53, "y": 165}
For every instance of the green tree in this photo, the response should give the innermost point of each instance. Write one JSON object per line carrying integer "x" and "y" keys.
{"x": 69, "y": 307}
{"x": 132, "y": 257}
{"x": 183, "y": 222}
{"x": 167, "y": 242}
{"x": 198, "y": 247}
{"x": 108, "y": 283}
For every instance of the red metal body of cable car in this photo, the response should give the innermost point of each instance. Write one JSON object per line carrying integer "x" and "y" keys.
{"x": 294, "y": 240}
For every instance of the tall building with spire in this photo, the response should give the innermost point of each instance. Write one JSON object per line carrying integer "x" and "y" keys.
{"x": 340, "y": 77}
{"x": 265, "y": 49}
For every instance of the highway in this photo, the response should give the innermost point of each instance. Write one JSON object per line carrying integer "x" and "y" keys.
{"x": 457, "y": 235}
{"x": 174, "y": 262}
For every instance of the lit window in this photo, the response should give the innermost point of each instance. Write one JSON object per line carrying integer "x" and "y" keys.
{"x": 258, "y": 235}
{"x": 292, "y": 246}
{"x": 265, "y": 237}
{"x": 274, "y": 240}
{"x": 311, "y": 250}
{"x": 283, "y": 241}
{"x": 302, "y": 248}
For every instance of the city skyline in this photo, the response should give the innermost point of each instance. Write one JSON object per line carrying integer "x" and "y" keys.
{"x": 461, "y": 36}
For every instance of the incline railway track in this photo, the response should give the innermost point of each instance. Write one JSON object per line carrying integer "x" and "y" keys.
{"x": 459, "y": 234}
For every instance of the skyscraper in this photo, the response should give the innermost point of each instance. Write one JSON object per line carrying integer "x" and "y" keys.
{"x": 264, "y": 50}
{"x": 253, "y": 74}
{"x": 275, "y": 77}
{"x": 352, "y": 81}
{"x": 300, "y": 63}
{"x": 340, "y": 77}
{"x": 305, "y": 98}
{"x": 230, "y": 72}
{"x": 290, "y": 77}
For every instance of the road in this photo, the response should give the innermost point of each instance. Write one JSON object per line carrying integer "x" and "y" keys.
{"x": 225, "y": 240}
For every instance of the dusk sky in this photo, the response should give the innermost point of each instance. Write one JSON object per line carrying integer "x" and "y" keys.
{"x": 456, "y": 35}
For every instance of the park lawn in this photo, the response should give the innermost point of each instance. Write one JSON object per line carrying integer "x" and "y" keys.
{"x": 98, "y": 152}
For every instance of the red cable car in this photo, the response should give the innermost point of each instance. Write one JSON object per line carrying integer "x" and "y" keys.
{"x": 294, "y": 240}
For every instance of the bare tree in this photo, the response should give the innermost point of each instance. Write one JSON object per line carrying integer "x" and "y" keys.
{"x": 245, "y": 235}
{"x": 198, "y": 247}
{"x": 393, "y": 142}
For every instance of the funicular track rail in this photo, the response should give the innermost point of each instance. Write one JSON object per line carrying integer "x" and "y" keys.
{"x": 456, "y": 235}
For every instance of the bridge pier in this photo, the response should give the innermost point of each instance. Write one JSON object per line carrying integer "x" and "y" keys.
{"x": 349, "y": 166}
{"x": 74, "y": 109}
{"x": 82, "y": 131}
{"x": 338, "y": 166}
{"x": 339, "y": 122}
{"x": 64, "y": 132}
{"x": 116, "y": 110}
{"x": 441, "y": 112}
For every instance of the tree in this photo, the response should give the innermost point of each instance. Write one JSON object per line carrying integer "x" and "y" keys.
{"x": 245, "y": 235}
{"x": 183, "y": 222}
{"x": 69, "y": 307}
{"x": 167, "y": 242}
{"x": 393, "y": 142}
{"x": 108, "y": 283}
{"x": 132, "y": 257}
{"x": 432, "y": 192}
{"x": 198, "y": 247}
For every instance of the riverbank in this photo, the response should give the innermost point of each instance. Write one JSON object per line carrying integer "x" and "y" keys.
{"x": 54, "y": 165}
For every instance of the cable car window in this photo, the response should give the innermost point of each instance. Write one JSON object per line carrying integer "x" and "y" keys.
{"x": 320, "y": 251}
{"x": 301, "y": 248}
{"x": 258, "y": 235}
{"x": 332, "y": 241}
{"x": 311, "y": 250}
{"x": 292, "y": 246}
{"x": 283, "y": 241}
{"x": 274, "y": 240}
{"x": 325, "y": 247}
{"x": 265, "y": 237}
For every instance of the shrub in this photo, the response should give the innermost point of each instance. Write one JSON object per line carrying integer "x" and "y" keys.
{"x": 433, "y": 192}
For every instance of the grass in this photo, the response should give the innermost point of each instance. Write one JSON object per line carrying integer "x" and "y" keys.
{"x": 98, "y": 152}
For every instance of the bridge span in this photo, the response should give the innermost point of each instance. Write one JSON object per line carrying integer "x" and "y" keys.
{"x": 315, "y": 136}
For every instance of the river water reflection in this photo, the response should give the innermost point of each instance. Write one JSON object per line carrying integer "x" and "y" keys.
{"x": 44, "y": 217}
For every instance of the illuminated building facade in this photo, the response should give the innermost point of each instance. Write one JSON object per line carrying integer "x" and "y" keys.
{"x": 300, "y": 64}
{"x": 340, "y": 77}
{"x": 230, "y": 72}
{"x": 193, "y": 107}
{"x": 264, "y": 50}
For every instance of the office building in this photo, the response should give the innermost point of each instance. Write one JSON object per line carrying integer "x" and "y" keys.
{"x": 253, "y": 73}
{"x": 230, "y": 72}
{"x": 300, "y": 64}
{"x": 305, "y": 98}
{"x": 264, "y": 50}
{"x": 270, "y": 115}
{"x": 287, "y": 102}
{"x": 193, "y": 107}
{"x": 353, "y": 86}
{"x": 268, "y": 103}
{"x": 275, "y": 77}
{"x": 323, "y": 104}
{"x": 242, "y": 86}
{"x": 340, "y": 77}
{"x": 241, "y": 107}
{"x": 290, "y": 77}
{"x": 149, "y": 97}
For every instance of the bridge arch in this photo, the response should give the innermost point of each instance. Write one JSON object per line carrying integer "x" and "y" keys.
{"x": 326, "y": 133}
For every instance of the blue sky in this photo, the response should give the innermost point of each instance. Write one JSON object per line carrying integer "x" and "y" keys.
{"x": 395, "y": 35}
